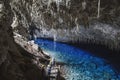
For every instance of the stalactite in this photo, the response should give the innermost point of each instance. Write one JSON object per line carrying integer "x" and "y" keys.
{"x": 84, "y": 5}
{"x": 77, "y": 25}
{"x": 68, "y": 3}
{"x": 58, "y": 4}
{"x": 49, "y": 2}
{"x": 98, "y": 9}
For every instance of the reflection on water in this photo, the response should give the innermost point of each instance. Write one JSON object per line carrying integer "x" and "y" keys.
{"x": 80, "y": 64}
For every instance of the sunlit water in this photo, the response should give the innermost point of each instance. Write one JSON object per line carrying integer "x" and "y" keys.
{"x": 80, "y": 64}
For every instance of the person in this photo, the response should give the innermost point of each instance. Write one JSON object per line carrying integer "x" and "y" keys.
{"x": 48, "y": 70}
{"x": 53, "y": 61}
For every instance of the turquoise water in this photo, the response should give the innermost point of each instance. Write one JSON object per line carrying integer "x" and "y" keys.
{"x": 80, "y": 64}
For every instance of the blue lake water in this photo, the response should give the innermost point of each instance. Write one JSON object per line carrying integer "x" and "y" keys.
{"x": 80, "y": 64}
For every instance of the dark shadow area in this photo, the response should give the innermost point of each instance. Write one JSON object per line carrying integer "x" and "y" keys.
{"x": 111, "y": 56}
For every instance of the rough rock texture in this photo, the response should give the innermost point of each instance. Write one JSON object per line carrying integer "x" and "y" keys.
{"x": 63, "y": 20}
{"x": 68, "y": 21}
{"x": 13, "y": 64}
{"x": 22, "y": 15}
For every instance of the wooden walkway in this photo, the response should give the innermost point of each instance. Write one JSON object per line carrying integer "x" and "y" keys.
{"x": 52, "y": 71}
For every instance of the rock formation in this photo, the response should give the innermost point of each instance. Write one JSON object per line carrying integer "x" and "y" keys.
{"x": 63, "y": 20}
{"x": 71, "y": 22}
{"x": 14, "y": 65}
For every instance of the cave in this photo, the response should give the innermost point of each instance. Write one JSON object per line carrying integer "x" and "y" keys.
{"x": 59, "y": 39}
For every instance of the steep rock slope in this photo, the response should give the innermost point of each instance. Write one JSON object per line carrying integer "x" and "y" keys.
{"x": 13, "y": 64}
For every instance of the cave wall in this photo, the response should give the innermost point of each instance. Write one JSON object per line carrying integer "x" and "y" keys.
{"x": 61, "y": 20}
{"x": 68, "y": 21}
{"x": 22, "y": 16}
{"x": 13, "y": 64}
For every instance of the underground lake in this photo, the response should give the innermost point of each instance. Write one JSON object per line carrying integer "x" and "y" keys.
{"x": 79, "y": 64}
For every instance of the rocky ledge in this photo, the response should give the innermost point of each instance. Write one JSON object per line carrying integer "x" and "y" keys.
{"x": 15, "y": 62}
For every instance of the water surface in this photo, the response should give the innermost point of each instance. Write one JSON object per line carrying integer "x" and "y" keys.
{"x": 80, "y": 64}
